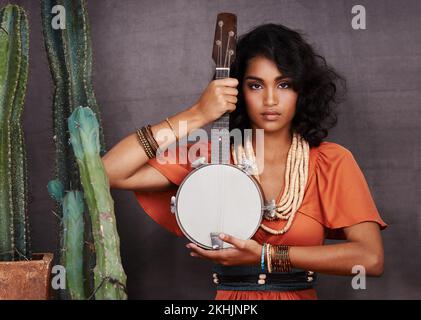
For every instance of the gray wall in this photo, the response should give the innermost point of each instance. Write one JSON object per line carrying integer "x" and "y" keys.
{"x": 152, "y": 59}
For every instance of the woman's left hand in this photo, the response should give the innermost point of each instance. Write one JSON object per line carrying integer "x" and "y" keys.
{"x": 244, "y": 252}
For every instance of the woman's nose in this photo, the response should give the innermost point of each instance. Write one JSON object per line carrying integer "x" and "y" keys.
{"x": 270, "y": 98}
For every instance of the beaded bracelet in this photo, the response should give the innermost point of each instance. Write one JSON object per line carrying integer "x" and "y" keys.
{"x": 145, "y": 144}
{"x": 150, "y": 138}
{"x": 262, "y": 257}
{"x": 149, "y": 130}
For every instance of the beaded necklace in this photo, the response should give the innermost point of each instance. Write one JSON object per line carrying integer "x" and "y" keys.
{"x": 296, "y": 175}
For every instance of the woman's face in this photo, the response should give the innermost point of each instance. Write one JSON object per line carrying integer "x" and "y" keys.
{"x": 267, "y": 91}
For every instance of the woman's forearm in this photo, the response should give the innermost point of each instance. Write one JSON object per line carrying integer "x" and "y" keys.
{"x": 127, "y": 156}
{"x": 338, "y": 259}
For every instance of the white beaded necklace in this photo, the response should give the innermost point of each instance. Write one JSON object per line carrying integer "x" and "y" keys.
{"x": 296, "y": 175}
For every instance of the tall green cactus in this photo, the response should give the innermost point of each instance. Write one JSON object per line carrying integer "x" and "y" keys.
{"x": 69, "y": 53}
{"x": 110, "y": 279}
{"x": 70, "y": 58}
{"x": 14, "y": 52}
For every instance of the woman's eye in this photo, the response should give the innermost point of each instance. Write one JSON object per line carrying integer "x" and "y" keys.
{"x": 284, "y": 85}
{"x": 254, "y": 86}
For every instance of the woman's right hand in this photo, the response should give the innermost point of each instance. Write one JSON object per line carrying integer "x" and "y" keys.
{"x": 219, "y": 97}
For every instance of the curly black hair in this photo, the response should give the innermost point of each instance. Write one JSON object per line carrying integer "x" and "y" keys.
{"x": 315, "y": 82}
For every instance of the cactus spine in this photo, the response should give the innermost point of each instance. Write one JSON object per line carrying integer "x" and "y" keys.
{"x": 109, "y": 276}
{"x": 14, "y": 52}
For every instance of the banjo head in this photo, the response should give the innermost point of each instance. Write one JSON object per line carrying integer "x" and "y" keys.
{"x": 218, "y": 199}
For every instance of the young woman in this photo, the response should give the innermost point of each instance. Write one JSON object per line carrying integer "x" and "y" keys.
{"x": 288, "y": 90}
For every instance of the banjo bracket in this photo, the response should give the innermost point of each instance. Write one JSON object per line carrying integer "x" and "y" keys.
{"x": 172, "y": 205}
{"x": 247, "y": 166}
{"x": 216, "y": 241}
{"x": 198, "y": 162}
{"x": 269, "y": 210}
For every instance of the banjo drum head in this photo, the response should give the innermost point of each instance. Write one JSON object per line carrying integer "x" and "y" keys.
{"x": 218, "y": 198}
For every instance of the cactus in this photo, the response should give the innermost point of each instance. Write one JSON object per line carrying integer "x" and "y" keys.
{"x": 56, "y": 190}
{"x": 14, "y": 52}
{"x": 70, "y": 58}
{"x": 73, "y": 208}
{"x": 109, "y": 276}
{"x": 69, "y": 54}
{"x": 73, "y": 232}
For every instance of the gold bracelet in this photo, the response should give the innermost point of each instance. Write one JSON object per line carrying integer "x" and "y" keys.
{"x": 172, "y": 128}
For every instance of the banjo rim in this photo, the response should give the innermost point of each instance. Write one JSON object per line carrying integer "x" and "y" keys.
{"x": 251, "y": 177}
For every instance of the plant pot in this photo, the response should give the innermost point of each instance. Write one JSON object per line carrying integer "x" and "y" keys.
{"x": 26, "y": 280}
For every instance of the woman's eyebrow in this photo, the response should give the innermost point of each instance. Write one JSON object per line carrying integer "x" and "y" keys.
{"x": 260, "y": 79}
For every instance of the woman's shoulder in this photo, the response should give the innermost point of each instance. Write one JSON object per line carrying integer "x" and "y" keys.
{"x": 328, "y": 152}
{"x": 329, "y": 156}
{"x": 332, "y": 148}
{"x": 337, "y": 193}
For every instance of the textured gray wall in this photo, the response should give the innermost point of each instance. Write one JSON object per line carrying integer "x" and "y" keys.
{"x": 152, "y": 59}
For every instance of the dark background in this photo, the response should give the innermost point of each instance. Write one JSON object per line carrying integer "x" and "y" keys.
{"x": 152, "y": 59}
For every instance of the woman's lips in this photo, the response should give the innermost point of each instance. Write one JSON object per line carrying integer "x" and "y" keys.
{"x": 270, "y": 116}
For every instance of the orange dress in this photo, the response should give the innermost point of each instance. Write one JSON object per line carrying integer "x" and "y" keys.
{"x": 336, "y": 196}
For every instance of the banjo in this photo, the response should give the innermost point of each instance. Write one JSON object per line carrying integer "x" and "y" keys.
{"x": 219, "y": 197}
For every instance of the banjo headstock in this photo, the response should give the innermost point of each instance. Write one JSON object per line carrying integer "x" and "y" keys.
{"x": 224, "y": 43}
{"x": 223, "y": 53}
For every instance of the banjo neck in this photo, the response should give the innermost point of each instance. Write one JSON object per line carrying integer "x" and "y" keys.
{"x": 224, "y": 47}
{"x": 205, "y": 205}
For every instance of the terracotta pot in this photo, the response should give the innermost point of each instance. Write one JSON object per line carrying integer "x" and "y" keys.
{"x": 26, "y": 280}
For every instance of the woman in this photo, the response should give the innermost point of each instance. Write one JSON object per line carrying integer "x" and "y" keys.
{"x": 290, "y": 92}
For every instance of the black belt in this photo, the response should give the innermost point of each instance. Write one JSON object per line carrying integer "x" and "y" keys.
{"x": 251, "y": 278}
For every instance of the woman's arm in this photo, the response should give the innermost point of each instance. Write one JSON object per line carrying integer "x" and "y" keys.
{"x": 126, "y": 163}
{"x": 363, "y": 247}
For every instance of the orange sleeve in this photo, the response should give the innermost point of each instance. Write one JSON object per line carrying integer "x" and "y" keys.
{"x": 345, "y": 197}
{"x": 156, "y": 203}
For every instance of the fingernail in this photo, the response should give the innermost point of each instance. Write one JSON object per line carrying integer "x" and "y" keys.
{"x": 187, "y": 246}
{"x": 222, "y": 236}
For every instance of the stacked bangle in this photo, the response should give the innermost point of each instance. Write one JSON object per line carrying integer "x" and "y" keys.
{"x": 277, "y": 258}
{"x": 147, "y": 141}
{"x": 281, "y": 262}
{"x": 147, "y": 131}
